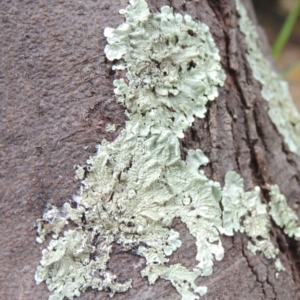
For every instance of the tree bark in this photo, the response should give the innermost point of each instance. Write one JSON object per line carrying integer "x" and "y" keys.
{"x": 56, "y": 99}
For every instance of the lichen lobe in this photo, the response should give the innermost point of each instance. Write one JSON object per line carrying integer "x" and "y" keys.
{"x": 138, "y": 184}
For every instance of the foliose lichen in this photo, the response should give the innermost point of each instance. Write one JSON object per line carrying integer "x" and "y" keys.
{"x": 110, "y": 128}
{"x": 135, "y": 186}
{"x": 282, "y": 214}
{"x": 244, "y": 212}
{"x": 282, "y": 110}
{"x": 138, "y": 184}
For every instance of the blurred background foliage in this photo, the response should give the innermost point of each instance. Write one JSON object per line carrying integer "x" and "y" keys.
{"x": 281, "y": 22}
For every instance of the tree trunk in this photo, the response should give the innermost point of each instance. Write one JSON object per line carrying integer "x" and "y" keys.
{"x": 57, "y": 99}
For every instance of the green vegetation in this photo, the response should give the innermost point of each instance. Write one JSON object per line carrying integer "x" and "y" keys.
{"x": 286, "y": 29}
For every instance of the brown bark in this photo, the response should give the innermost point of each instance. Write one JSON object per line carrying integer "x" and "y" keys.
{"x": 56, "y": 98}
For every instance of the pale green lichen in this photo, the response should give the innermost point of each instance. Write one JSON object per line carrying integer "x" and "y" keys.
{"x": 240, "y": 205}
{"x": 80, "y": 172}
{"x": 68, "y": 269}
{"x": 282, "y": 110}
{"x": 278, "y": 266}
{"x": 282, "y": 214}
{"x": 110, "y": 128}
{"x": 138, "y": 184}
{"x": 178, "y": 276}
{"x": 135, "y": 186}
{"x": 54, "y": 220}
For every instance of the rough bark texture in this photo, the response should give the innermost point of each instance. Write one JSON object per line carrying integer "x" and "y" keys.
{"x": 56, "y": 98}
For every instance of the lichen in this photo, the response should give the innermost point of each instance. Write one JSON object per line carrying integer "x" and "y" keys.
{"x": 110, "y": 128}
{"x": 135, "y": 186}
{"x": 138, "y": 184}
{"x": 244, "y": 212}
{"x": 54, "y": 220}
{"x": 282, "y": 214}
{"x": 68, "y": 269}
{"x": 282, "y": 110}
